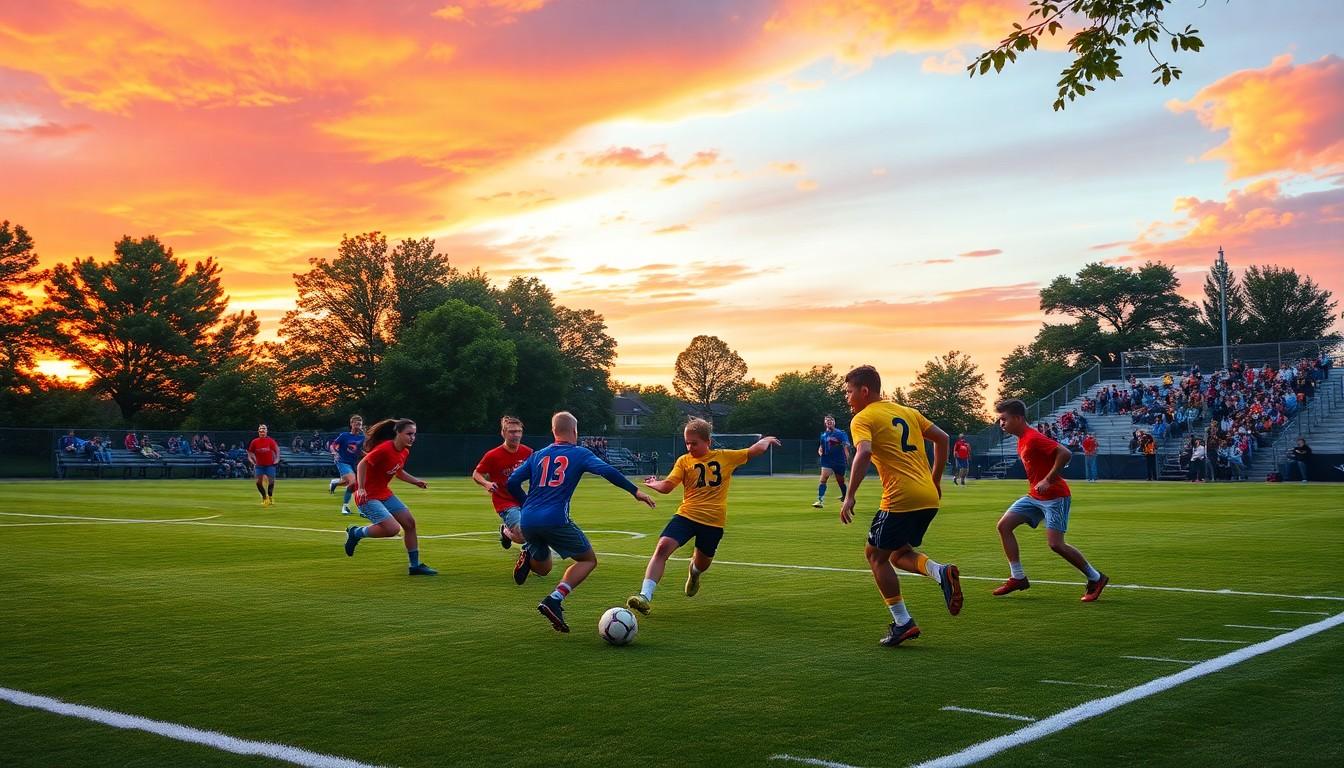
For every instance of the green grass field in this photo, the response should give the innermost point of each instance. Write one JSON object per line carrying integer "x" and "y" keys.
{"x": 254, "y": 624}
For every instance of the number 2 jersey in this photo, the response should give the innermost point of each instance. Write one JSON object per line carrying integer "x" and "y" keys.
{"x": 706, "y": 481}
{"x": 552, "y": 475}
{"x": 896, "y": 433}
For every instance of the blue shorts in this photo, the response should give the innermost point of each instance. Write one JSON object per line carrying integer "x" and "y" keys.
{"x": 343, "y": 469}
{"x": 378, "y": 511}
{"x": 568, "y": 539}
{"x": 838, "y": 467}
{"x": 963, "y": 463}
{"x": 264, "y": 471}
{"x": 511, "y": 516}
{"x": 683, "y": 529}
{"x": 894, "y": 530}
{"x": 1055, "y": 512}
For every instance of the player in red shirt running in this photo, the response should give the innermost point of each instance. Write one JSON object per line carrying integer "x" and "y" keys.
{"x": 1048, "y": 499}
{"x": 961, "y": 452}
{"x": 492, "y": 474}
{"x": 264, "y": 454}
{"x": 387, "y": 445}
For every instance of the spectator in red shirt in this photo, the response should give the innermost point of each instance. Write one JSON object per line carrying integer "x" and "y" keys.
{"x": 961, "y": 453}
{"x": 1090, "y": 456}
{"x": 264, "y": 454}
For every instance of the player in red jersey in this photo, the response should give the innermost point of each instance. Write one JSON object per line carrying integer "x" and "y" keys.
{"x": 387, "y": 445}
{"x": 1048, "y": 499}
{"x": 492, "y": 474}
{"x": 264, "y": 454}
{"x": 961, "y": 453}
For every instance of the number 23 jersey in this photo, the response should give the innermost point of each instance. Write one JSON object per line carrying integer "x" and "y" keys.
{"x": 706, "y": 482}
{"x": 896, "y": 433}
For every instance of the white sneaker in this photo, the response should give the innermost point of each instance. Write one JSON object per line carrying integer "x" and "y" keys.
{"x": 816, "y": 504}
{"x": 345, "y": 509}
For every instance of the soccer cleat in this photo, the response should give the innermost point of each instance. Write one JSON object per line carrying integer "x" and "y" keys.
{"x": 639, "y": 603}
{"x": 554, "y": 612}
{"x": 350, "y": 540}
{"x": 421, "y": 570}
{"x": 816, "y": 504}
{"x": 897, "y": 635}
{"x": 345, "y": 509}
{"x": 504, "y": 540}
{"x": 692, "y": 583}
{"x": 952, "y": 588}
{"x": 331, "y": 487}
{"x": 265, "y": 502}
{"x": 1011, "y": 585}
{"x": 521, "y": 569}
{"x": 1094, "y": 588}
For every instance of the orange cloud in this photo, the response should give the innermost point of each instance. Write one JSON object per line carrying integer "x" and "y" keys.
{"x": 980, "y": 254}
{"x": 702, "y": 159}
{"x": 675, "y": 228}
{"x": 627, "y": 157}
{"x": 806, "y": 185}
{"x": 786, "y": 167}
{"x": 951, "y": 63}
{"x": 1284, "y": 117}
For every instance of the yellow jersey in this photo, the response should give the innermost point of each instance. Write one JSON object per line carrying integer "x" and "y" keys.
{"x": 706, "y": 481}
{"x": 896, "y": 433}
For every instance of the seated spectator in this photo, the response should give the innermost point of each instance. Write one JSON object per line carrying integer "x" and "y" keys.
{"x": 147, "y": 448}
{"x": 94, "y": 450}
{"x": 131, "y": 443}
{"x": 1298, "y": 457}
{"x": 1231, "y": 458}
{"x": 207, "y": 444}
{"x": 71, "y": 444}
{"x": 297, "y": 444}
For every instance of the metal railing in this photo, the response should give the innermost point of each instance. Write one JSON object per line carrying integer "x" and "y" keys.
{"x": 1154, "y": 362}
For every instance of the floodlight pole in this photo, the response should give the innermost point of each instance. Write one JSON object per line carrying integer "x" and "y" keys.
{"x": 1221, "y": 265}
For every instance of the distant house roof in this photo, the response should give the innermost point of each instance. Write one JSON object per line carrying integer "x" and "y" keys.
{"x": 716, "y": 410}
{"x": 629, "y": 404}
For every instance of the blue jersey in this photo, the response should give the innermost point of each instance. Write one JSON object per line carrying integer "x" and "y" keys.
{"x": 833, "y": 442}
{"x": 552, "y": 475}
{"x": 347, "y": 447}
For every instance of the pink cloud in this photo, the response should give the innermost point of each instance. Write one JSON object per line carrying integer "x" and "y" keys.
{"x": 627, "y": 157}
{"x": 980, "y": 254}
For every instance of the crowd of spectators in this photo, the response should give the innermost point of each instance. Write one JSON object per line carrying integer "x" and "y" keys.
{"x": 597, "y": 445}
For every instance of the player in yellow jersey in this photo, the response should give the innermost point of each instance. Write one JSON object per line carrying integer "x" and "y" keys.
{"x": 892, "y": 436}
{"x": 706, "y": 474}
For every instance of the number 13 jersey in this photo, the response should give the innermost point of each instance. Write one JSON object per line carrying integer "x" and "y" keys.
{"x": 896, "y": 433}
{"x": 706, "y": 481}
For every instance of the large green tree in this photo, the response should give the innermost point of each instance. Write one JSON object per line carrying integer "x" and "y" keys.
{"x": 1029, "y": 374}
{"x": 1282, "y": 305}
{"x": 1104, "y": 27}
{"x": 1205, "y": 327}
{"x": 949, "y": 391}
{"x": 708, "y": 371}
{"x": 1116, "y": 309}
{"x": 18, "y": 260}
{"x": 148, "y": 327}
{"x": 420, "y": 277}
{"x": 793, "y": 404}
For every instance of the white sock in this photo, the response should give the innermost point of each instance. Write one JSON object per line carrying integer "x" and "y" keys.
{"x": 898, "y": 613}
{"x": 935, "y": 570}
{"x": 1092, "y": 573}
{"x": 695, "y": 570}
{"x": 1015, "y": 568}
{"x": 647, "y": 589}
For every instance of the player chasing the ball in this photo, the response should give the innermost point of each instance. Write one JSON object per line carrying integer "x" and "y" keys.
{"x": 892, "y": 436}
{"x": 1048, "y": 499}
{"x": 552, "y": 474}
{"x": 345, "y": 452}
{"x": 705, "y": 474}
{"x": 833, "y": 455}
{"x": 386, "y": 448}
{"x": 492, "y": 473}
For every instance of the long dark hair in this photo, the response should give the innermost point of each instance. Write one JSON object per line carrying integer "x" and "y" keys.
{"x": 383, "y": 431}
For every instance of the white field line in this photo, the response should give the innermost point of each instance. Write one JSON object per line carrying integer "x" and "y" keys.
{"x": 1068, "y": 682}
{"x": 1159, "y": 658}
{"x": 1070, "y": 717}
{"x": 76, "y": 520}
{"x": 777, "y": 566}
{"x": 180, "y": 732}
{"x": 1252, "y": 626}
{"x": 1022, "y": 718}
{"x": 1203, "y": 640}
{"x": 1305, "y": 613}
{"x": 812, "y": 761}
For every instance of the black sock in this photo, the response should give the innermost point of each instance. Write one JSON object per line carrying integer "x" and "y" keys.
{"x": 261, "y": 490}
{"x": 270, "y": 489}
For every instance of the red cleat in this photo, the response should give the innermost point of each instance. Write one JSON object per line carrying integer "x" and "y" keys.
{"x": 1094, "y": 588}
{"x": 1011, "y": 585}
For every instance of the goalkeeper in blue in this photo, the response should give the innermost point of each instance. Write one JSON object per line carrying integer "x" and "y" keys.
{"x": 552, "y": 474}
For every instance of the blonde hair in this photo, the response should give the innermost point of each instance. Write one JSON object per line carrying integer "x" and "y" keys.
{"x": 505, "y": 421}
{"x": 565, "y": 423}
{"x": 700, "y": 428}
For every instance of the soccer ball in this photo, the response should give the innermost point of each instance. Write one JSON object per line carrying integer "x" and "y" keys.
{"x": 618, "y": 626}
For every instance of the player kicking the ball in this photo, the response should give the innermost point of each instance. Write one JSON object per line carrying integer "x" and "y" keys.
{"x": 492, "y": 472}
{"x": 386, "y": 448}
{"x": 892, "y": 436}
{"x": 552, "y": 475}
{"x": 705, "y": 473}
{"x": 1048, "y": 499}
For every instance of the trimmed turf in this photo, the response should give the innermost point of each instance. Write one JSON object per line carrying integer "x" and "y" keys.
{"x": 274, "y": 635}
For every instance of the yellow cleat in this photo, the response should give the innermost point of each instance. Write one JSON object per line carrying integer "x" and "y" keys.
{"x": 265, "y": 502}
{"x": 692, "y": 583}
{"x": 639, "y": 603}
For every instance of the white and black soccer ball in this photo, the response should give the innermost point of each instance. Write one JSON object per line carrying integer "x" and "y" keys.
{"x": 618, "y": 626}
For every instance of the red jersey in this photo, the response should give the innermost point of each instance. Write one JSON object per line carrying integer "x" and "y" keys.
{"x": 383, "y": 464}
{"x": 266, "y": 451}
{"x": 962, "y": 450}
{"x": 497, "y": 464}
{"x": 1038, "y": 455}
{"x": 1089, "y": 445}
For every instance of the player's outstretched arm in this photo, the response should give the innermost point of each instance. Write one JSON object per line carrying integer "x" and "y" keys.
{"x": 939, "y": 438}
{"x": 762, "y": 445}
{"x": 407, "y": 477}
{"x": 863, "y": 457}
{"x": 661, "y": 486}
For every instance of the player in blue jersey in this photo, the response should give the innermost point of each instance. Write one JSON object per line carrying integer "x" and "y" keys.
{"x": 833, "y": 452}
{"x": 552, "y": 475}
{"x": 346, "y": 451}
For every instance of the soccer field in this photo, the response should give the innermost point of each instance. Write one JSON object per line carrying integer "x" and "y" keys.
{"x": 185, "y": 602}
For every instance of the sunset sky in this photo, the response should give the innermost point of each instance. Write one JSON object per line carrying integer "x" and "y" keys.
{"x": 814, "y": 182}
